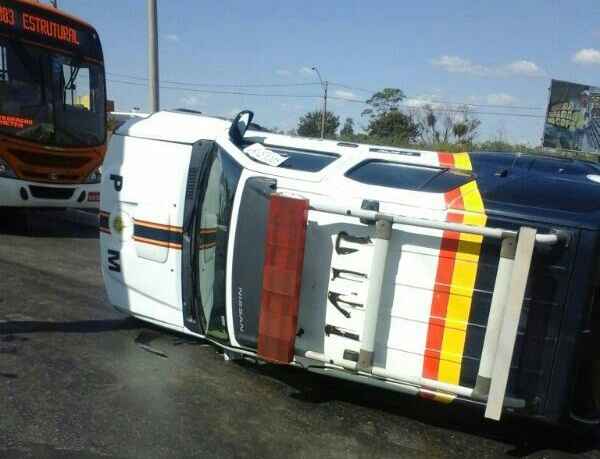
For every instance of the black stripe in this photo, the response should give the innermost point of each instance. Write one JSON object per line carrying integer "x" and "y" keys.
{"x": 104, "y": 221}
{"x": 480, "y": 310}
{"x": 207, "y": 238}
{"x": 157, "y": 234}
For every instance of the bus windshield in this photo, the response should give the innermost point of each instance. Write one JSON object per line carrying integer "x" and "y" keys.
{"x": 51, "y": 98}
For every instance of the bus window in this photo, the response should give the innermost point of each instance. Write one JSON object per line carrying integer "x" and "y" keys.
{"x": 76, "y": 91}
{"x": 3, "y": 64}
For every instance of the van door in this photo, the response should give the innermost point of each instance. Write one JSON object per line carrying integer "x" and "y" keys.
{"x": 141, "y": 227}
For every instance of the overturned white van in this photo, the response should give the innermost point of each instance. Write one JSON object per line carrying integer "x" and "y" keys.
{"x": 452, "y": 276}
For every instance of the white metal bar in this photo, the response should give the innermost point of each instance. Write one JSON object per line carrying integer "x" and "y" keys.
{"x": 496, "y": 233}
{"x": 383, "y": 233}
{"x": 416, "y": 381}
{"x": 510, "y": 323}
{"x": 494, "y": 323}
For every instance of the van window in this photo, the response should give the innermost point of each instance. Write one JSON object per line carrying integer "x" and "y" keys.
{"x": 408, "y": 177}
{"x": 291, "y": 158}
{"x": 307, "y": 161}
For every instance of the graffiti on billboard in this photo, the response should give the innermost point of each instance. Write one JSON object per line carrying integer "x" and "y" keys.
{"x": 573, "y": 118}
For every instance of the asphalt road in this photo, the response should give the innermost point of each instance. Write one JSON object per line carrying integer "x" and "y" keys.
{"x": 79, "y": 380}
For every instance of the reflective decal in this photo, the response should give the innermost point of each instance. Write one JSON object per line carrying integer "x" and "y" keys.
{"x": 158, "y": 234}
{"x": 103, "y": 223}
{"x": 455, "y": 279}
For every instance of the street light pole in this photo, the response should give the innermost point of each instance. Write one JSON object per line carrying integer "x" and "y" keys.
{"x": 153, "y": 77}
{"x": 325, "y": 86}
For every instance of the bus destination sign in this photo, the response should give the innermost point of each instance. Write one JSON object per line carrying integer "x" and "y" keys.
{"x": 41, "y": 26}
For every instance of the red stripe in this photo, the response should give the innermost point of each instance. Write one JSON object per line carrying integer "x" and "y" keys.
{"x": 446, "y": 159}
{"x": 441, "y": 289}
{"x": 454, "y": 199}
{"x": 439, "y": 304}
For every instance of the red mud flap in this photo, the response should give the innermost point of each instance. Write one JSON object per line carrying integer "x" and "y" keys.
{"x": 282, "y": 276}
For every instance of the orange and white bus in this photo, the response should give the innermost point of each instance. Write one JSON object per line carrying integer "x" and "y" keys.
{"x": 52, "y": 108}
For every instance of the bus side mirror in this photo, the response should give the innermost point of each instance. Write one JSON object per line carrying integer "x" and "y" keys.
{"x": 239, "y": 126}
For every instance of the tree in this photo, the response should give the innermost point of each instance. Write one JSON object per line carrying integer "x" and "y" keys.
{"x": 460, "y": 130}
{"x": 384, "y": 101}
{"x": 430, "y": 132}
{"x": 309, "y": 124}
{"x": 465, "y": 129}
{"x": 348, "y": 129}
{"x": 386, "y": 122}
{"x": 439, "y": 125}
{"x": 394, "y": 127}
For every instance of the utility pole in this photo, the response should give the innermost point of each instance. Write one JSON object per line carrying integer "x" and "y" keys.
{"x": 324, "y": 85}
{"x": 153, "y": 78}
{"x": 324, "y": 115}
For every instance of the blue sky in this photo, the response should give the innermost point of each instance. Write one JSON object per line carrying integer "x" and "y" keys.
{"x": 487, "y": 53}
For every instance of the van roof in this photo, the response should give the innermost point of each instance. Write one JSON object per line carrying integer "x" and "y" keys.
{"x": 186, "y": 127}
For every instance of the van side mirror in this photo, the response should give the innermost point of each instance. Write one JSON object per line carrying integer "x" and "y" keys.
{"x": 239, "y": 126}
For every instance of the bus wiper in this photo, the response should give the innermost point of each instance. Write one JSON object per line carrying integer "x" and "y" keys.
{"x": 73, "y": 77}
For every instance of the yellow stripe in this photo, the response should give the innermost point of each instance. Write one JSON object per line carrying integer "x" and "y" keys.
{"x": 472, "y": 198}
{"x": 463, "y": 284}
{"x": 441, "y": 397}
{"x": 463, "y": 161}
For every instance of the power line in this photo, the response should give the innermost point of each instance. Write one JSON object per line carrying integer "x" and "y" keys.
{"x": 217, "y": 85}
{"x": 188, "y": 86}
{"x": 437, "y": 101}
{"x": 453, "y": 110}
{"x": 208, "y": 91}
{"x": 315, "y": 96}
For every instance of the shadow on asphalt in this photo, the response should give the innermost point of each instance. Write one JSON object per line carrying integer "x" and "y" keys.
{"x": 523, "y": 436}
{"x": 40, "y": 451}
{"x": 42, "y": 223}
{"x": 9, "y": 329}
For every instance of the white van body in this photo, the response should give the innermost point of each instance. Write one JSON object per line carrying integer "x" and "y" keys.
{"x": 418, "y": 347}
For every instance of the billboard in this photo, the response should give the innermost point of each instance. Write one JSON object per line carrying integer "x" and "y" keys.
{"x": 573, "y": 118}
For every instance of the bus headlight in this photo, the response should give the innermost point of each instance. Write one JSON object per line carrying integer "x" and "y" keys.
{"x": 5, "y": 170}
{"x": 94, "y": 177}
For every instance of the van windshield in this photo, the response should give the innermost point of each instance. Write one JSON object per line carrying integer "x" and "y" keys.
{"x": 211, "y": 235}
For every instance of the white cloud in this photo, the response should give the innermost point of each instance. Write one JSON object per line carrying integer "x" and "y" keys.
{"x": 193, "y": 101}
{"x": 306, "y": 71}
{"x": 587, "y": 56}
{"x": 422, "y": 100}
{"x": 173, "y": 38}
{"x": 345, "y": 94}
{"x": 283, "y": 73}
{"x": 523, "y": 68}
{"x": 501, "y": 99}
{"x": 456, "y": 64}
